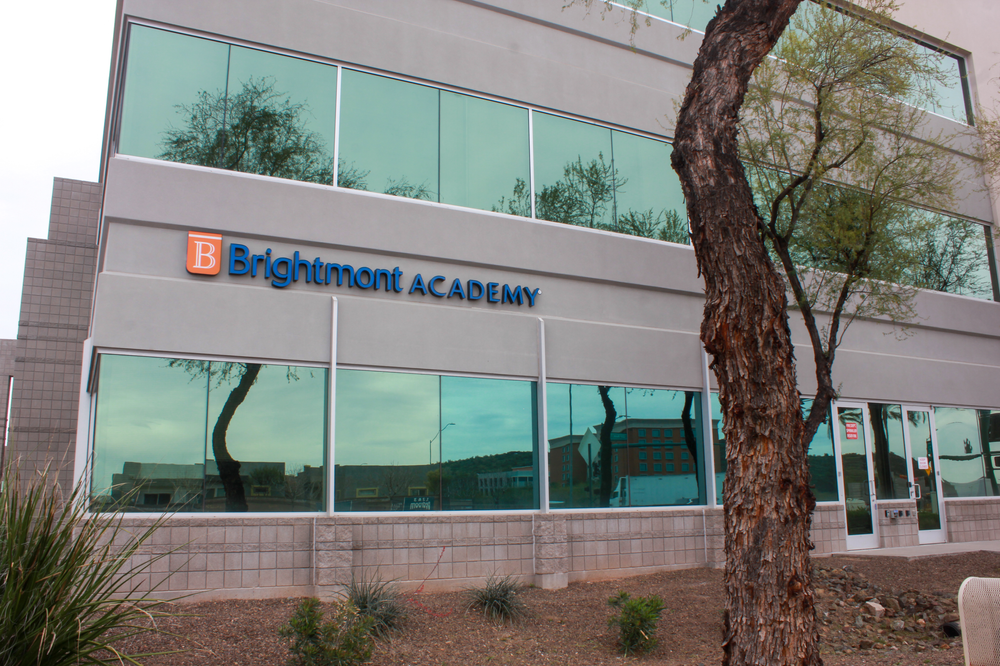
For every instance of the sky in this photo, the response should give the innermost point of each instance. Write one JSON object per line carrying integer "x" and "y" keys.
{"x": 57, "y": 57}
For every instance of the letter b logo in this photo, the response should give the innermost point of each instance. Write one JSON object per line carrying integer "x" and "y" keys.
{"x": 204, "y": 253}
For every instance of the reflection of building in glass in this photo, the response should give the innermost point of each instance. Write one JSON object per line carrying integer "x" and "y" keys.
{"x": 494, "y": 482}
{"x": 157, "y": 486}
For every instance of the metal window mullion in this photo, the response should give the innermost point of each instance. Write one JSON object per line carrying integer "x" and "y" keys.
{"x": 332, "y": 409}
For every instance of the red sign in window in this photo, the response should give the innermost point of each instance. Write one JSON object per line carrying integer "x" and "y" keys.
{"x": 852, "y": 430}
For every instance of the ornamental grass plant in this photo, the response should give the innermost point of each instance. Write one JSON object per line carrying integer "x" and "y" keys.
{"x": 378, "y": 599}
{"x": 499, "y": 599}
{"x": 68, "y": 582}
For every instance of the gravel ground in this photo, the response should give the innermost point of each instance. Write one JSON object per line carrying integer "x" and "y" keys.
{"x": 569, "y": 626}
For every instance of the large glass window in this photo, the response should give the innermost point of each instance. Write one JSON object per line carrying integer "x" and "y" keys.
{"x": 960, "y": 451}
{"x": 202, "y": 102}
{"x": 167, "y": 74}
{"x": 822, "y": 463}
{"x": 954, "y": 258}
{"x": 280, "y": 117}
{"x": 593, "y": 177}
{"x": 199, "y": 101}
{"x": 591, "y": 425}
{"x": 943, "y": 89}
{"x": 648, "y": 197}
{"x": 389, "y": 136}
{"x": 891, "y": 478}
{"x": 186, "y": 435}
{"x": 484, "y": 152}
{"x": 575, "y": 177}
{"x": 408, "y": 442}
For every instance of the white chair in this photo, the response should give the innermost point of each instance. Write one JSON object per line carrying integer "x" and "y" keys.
{"x": 979, "y": 612}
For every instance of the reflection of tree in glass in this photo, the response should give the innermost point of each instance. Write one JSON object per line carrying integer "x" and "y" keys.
{"x": 950, "y": 260}
{"x": 217, "y": 374}
{"x": 667, "y": 225}
{"x": 610, "y": 415}
{"x": 582, "y": 198}
{"x": 267, "y": 476}
{"x": 257, "y": 130}
{"x": 353, "y": 178}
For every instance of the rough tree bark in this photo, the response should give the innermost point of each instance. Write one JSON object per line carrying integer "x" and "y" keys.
{"x": 229, "y": 468}
{"x": 770, "y": 617}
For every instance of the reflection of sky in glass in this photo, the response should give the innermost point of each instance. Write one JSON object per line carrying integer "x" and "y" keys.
{"x": 165, "y": 70}
{"x": 148, "y": 413}
{"x": 659, "y": 404}
{"x": 588, "y": 410}
{"x": 391, "y": 417}
{"x": 386, "y": 418}
{"x": 955, "y": 427}
{"x": 651, "y": 183}
{"x": 282, "y": 419}
{"x": 950, "y": 95}
{"x": 490, "y": 415}
{"x": 390, "y": 129}
{"x": 302, "y": 82}
{"x": 694, "y": 14}
{"x": 484, "y": 150}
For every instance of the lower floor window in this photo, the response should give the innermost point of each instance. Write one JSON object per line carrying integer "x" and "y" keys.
{"x": 191, "y": 435}
{"x": 468, "y": 443}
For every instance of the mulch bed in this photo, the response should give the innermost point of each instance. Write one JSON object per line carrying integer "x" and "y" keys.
{"x": 570, "y": 626}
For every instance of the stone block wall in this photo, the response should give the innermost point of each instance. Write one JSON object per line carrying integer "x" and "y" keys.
{"x": 603, "y": 545}
{"x": 55, "y": 314}
{"x": 223, "y": 557}
{"x": 441, "y": 552}
{"x": 898, "y": 532}
{"x": 829, "y": 529}
{"x": 229, "y": 558}
{"x": 974, "y": 519}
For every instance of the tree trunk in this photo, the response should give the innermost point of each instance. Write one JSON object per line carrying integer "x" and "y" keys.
{"x": 609, "y": 423}
{"x": 229, "y": 469}
{"x": 770, "y": 617}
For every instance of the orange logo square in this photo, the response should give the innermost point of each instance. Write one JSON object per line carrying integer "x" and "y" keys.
{"x": 204, "y": 253}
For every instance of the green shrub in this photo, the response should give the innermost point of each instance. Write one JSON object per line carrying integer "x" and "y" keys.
{"x": 499, "y": 599}
{"x": 345, "y": 640}
{"x": 67, "y": 582}
{"x": 637, "y": 621}
{"x": 378, "y": 599}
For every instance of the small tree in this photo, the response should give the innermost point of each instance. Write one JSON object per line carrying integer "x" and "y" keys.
{"x": 768, "y": 503}
{"x": 825, "y": 108}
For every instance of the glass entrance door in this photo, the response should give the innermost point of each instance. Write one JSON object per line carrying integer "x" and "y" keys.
{"x": 922, "y": 453}
{"x": 856, "y": 461}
